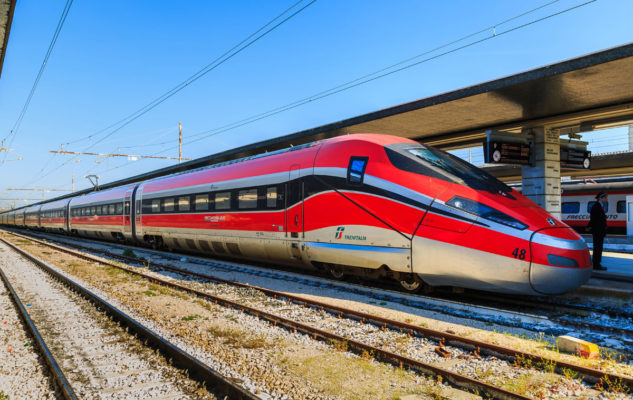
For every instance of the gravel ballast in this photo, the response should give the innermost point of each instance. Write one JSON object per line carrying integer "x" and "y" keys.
{"x": 99, "y": 359}
{"x": 210, "y": 329}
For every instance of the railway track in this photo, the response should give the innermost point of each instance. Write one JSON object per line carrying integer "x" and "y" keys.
{"x": 90, "y": 355}
{"x": 567, "y": 314}
{"x": 525, "y": 314}
{"x": 21, "y": 363}
{"x": 445, "y": 344}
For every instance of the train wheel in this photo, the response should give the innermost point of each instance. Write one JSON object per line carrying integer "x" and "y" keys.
{"x": 410, "y": 284}
{"x": 336, "y": 272}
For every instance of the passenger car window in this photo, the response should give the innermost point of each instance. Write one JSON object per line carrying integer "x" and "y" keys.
{"x": 168, "y": 204}
{"x": 571, "y": 207}
{"x": 111, "y": 209}
{"x": 156, "y": 205}
{"x": 271, "y": 197}
{"x": 247, "y": 198}
{"x": 183, "y": 203}
{"x": 621, "y": 206}
{"x": 223, "y": 201}
{"x": 119, "y": 208}
{"x": 202, "y": 202}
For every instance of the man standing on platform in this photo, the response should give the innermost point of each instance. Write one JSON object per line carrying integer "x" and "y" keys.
{"x": 598, "y": 226}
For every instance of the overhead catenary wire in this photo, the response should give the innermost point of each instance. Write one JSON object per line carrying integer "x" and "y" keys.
{"x": 245, "y": 43}
{"x": 16, "y": 126}
{"x": 325, "y": 92}
{"x": 358, "y": 82}
{"x": 38, "y": 176}
{"x": 381, "y": 74}
{"x": 232, "y": 52}
{"x": 376, "y": 75}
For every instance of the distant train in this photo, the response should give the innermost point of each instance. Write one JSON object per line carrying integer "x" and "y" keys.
{"x": 378, "y": 206}
{"x": 579, "y": 195}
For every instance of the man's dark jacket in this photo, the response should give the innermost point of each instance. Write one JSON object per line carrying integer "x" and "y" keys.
{"x": 598, "y": 221}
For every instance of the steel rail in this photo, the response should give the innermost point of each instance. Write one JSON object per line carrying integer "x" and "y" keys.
{"x": 460, "y": 381}
{"x": 553, "y": 306}
{"x": 58, "y": 375}
{"x": 589, "y": 375}
{"x": 214, "y": 381}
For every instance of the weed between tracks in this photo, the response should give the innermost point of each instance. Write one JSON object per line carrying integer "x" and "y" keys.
{"x": 238, "y": 338}
{"x": 528, "y": 385}
{"x": 129, "y": 253}
{"x": 349, "y": 377}
{"x": 338, "y": 345}
{"x": 434, "y": 391}
{"x": 612, "y": 385}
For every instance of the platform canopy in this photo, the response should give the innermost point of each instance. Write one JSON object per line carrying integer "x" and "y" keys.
{"x": 585, "y": 93}
{"x": 7, "y": 8}
{"x": 581, "y": 94}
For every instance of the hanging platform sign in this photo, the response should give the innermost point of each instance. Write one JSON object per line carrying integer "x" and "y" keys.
{"x": 508, "y": 148}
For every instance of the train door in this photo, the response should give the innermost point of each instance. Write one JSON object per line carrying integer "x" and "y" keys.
{"x": 135, "y": 217}
{"x": 67, "y": 217}
{"x": 629, "y": 215}
{"x": 294, "y": 211}
{"x": 127, "y": 212}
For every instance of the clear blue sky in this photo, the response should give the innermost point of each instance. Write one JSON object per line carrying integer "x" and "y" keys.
{"x": 114, "y": 57}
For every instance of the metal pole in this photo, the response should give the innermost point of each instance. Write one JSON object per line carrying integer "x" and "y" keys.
{"x": 179, "y": 142}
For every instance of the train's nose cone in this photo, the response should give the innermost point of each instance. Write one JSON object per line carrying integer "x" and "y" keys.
{"x": 560, "y": 260}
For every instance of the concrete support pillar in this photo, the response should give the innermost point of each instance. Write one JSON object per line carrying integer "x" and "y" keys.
{"x": 541, "y": 183}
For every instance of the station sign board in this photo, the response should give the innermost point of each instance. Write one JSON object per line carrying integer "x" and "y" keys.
{"x": 508, "y": 148}
{"x": 574, "y": 154}
{"x": 518, "y": 148}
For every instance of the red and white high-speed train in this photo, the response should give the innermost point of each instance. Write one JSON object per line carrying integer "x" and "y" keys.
{"x": 373, "y": 205}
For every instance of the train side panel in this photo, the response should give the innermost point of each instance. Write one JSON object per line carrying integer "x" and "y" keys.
{"x": 355, "y": 215}
{"x": 102, "y": 214}
{"x": 53, "y": 216}
{"x": 246, "y": 210}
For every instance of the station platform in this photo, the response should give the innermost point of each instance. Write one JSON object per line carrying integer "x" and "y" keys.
{"x": 617, "y": 257}
{"x": 613, "y": 243}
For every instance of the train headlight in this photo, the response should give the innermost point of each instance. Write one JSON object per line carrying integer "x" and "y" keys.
{"x": 484, "y": 211}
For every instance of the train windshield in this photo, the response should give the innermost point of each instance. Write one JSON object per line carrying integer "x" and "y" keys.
{"x": 429, "y": 161}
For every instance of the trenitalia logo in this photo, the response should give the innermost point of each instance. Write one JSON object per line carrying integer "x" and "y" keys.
{"x": 339, "y": 235}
